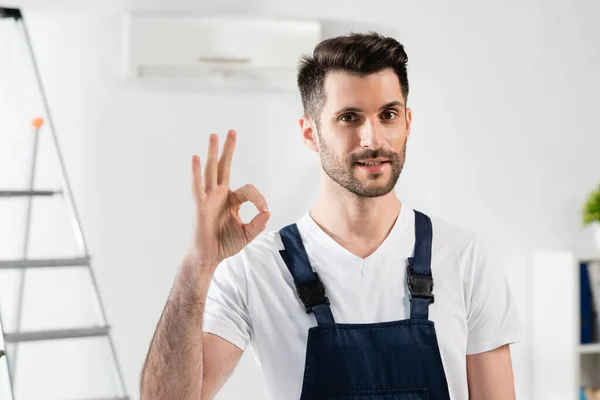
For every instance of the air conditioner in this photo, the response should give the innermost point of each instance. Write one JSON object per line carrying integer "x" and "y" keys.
{"x": 216, "y": 51}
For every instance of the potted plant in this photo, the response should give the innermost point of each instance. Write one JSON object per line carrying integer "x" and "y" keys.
{"x": 591, "y": 213}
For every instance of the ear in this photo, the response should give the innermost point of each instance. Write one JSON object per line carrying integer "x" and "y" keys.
{"x": 309, "y": 133}
{"x": 408, "y": 121}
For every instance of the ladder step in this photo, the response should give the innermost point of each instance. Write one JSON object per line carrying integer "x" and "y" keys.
{"x": 56, "y": 334}
{"x": 44, "y": 263}
{"x": 28, "y": 193}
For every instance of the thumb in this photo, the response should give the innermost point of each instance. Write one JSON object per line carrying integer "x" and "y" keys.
{"x": 257, "y": 225}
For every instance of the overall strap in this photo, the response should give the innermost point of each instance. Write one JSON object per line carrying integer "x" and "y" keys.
{"x": 418, "y": 273}
{"x": 309, "y": 287}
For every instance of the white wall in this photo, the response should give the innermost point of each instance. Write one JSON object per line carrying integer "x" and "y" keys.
{"x": 504, "y": 141}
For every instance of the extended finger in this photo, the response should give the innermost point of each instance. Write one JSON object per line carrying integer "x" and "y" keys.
{"x": 210, "y": 171}
{"x": 251, "y": 193}
{"x": 197, "y": 184}
{"x": 224, "y": 166}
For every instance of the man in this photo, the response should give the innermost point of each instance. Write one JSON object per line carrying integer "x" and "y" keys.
{"x": 363, "y": 298}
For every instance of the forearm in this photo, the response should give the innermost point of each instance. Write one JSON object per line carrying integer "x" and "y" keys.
{"x": 174, "y": 366}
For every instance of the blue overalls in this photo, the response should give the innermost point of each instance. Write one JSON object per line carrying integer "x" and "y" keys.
{"x": 396, "y": 360}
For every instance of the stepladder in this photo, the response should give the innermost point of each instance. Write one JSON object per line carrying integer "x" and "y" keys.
{"x": 24, "y": 271}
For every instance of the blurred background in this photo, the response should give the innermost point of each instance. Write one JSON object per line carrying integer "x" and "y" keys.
{"x": 504, "y": 141}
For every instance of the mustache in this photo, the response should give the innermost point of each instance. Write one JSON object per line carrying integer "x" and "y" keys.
{"x": 375, "y": 154}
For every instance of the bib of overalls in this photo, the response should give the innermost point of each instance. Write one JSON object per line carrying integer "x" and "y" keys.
{"x": 395, "y": 360}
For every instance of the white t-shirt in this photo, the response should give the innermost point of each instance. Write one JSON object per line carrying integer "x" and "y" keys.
{"x": 252, "y": 298}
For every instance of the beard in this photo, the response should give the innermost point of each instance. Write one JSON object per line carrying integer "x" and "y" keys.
{"x": 343, "y": 172}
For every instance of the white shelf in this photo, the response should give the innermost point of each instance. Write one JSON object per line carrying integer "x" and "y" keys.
{"x": 590, "y": 348}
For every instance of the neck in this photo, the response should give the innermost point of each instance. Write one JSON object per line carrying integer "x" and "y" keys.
{"x": 353, "y": 220}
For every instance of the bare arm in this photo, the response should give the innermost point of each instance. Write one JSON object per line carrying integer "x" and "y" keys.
{"x": 490, "y": 375}
{"x": 183, "y": 362}
{"x": 220, "y": 359}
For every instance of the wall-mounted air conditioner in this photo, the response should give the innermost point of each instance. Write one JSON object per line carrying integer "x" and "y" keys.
{"x": 216, "y": 51}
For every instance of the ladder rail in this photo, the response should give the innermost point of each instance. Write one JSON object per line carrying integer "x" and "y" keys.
{"x": 11, "y": 387}
{"x": 25, "y": 252}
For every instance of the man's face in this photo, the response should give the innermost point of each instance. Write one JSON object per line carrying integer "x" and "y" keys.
{"x": 363, "y": 118}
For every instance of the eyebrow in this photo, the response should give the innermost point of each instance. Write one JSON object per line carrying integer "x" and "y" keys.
{"x": 383, "y": 107}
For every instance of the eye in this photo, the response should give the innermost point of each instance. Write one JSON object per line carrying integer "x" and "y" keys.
{"x": 389, "y": 115}
{"x": 350, "y": 117}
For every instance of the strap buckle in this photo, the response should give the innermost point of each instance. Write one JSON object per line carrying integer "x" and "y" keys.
{"x": 419, "y": 286}
{"x": 312, "y": 294}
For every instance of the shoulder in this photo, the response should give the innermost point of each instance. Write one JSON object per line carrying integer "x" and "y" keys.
{"x": 240, "y": 271}
{"x": 452, "y": 235}
{"x": 457, "y": 245}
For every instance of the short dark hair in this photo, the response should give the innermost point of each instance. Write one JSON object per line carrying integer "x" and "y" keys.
{"x": 359, "y": 53}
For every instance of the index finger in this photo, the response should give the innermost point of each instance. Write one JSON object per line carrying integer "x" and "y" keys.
{"x": 224, "y": 165}
{"x": 250, "y": 193}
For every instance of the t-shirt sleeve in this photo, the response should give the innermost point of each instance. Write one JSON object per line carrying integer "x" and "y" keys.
{"x": 493, "y": 316}
{"x": 225, "y": 312}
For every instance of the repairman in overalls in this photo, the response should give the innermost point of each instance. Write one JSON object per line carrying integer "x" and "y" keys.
{"x": 362, "y": 298}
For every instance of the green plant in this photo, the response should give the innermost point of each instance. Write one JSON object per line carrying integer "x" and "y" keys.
{"x": 591, "y": 208}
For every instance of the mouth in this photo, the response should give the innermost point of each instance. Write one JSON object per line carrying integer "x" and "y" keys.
{"x": 373, "y": 167}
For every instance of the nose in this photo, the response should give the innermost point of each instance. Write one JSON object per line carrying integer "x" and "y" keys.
{"x": 371, "y": 135}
